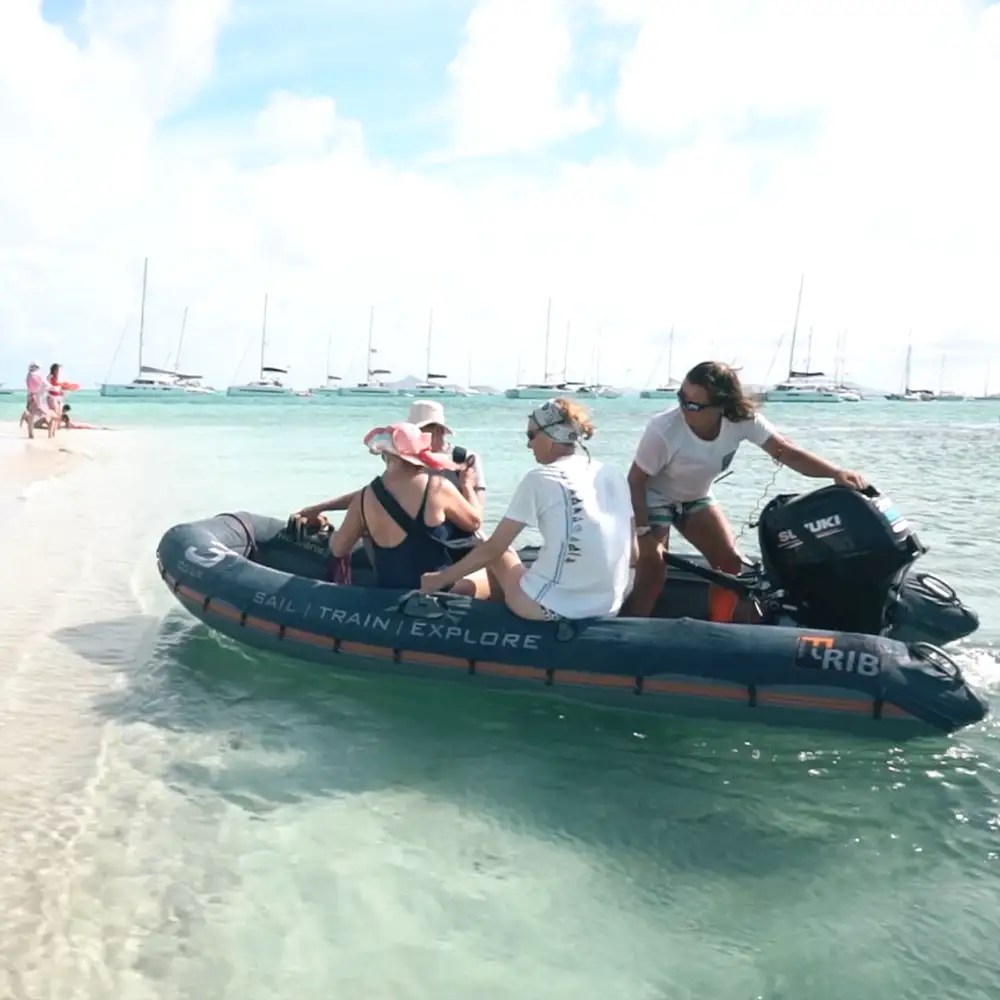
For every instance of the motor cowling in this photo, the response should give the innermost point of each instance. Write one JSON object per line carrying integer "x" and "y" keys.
{"x": 840, "y": 556}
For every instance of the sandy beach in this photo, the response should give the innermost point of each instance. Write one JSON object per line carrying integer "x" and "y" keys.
{"x": 25, "y": 461}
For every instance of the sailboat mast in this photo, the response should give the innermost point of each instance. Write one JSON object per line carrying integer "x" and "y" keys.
{"x": 329, "y": 341}
{"x": 795, "y": 328}
{"x": 180, "y": 342}
{"x": 548, "y": 323}
{"x": 566, "y": 355}
{"x": 142, "y": 311}
{"x": 430, "y": 331}
{"x": 371, "y": 327}
{"x": 670, "y": 357}
{"x": 263, "y": 337}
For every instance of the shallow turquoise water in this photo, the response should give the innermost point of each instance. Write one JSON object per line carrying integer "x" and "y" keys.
{"x": 203, "y": 821}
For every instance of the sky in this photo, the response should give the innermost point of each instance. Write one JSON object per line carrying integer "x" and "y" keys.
{"x": 643, "y": 164}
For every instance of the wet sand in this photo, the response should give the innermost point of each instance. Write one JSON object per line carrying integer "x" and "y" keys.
{"x": 25, "y": 461}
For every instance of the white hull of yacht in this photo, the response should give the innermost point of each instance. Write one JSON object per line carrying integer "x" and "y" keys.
{"x": 367, "y": 390}
{"x": 662, "y": 392}
{"x": 132, "y": 390}
{"x": 427, "y": 391}
{"x": 263, "y": 390}
{"x": 534, "y": 392}
{"x": 802, "y": 395}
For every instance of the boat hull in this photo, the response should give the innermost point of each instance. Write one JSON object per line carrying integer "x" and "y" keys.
{"x": 805, "y": 396}
{"x": 276, "y": 601}
{"x": 148, "y": 391}
{"x": 368, "y": 392}
{"x": 243, "y": 390}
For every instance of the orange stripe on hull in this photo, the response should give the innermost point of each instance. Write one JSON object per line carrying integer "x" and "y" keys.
{"x": 693, "y": 689}
{"x": 310, "y": 638}
{"x": 782, "y": 699}
{"x": 425, "y": 659}
{"x": 363, "y": 649}
{"x": 191, "y": 595}
{"x": 262, "y": 625}
{"x": 492, "y": 669}
{"x": 593, "y": 680}
{"x": 224, "y": 610}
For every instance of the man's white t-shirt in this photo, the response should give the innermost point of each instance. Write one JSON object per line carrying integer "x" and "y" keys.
{"x": 682, "y": 466}
{"x": 583, "y": 511}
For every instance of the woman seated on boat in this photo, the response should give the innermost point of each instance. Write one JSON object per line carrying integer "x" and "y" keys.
{"x": 682, "y": 452}
{"x": 582, "y": 511}
{"x": 428, "y": 415}
{"x": 408, "y": 515}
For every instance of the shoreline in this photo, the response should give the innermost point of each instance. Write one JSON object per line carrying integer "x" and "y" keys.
{"x": 25, "y": 462}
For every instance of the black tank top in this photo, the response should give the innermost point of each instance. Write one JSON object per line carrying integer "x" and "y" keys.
{"x": 422, "y": 550}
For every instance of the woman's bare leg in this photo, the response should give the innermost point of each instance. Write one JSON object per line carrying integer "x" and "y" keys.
{"x": 709, "y": 532}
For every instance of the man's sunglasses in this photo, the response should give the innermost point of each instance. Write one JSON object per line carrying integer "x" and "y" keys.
{"x": 690, "y": 405}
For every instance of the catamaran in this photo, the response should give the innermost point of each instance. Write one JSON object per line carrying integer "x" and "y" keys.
{"x": 371, "y": 386}
{"x": 546, "y": 388}
{"x": 668, "y": 390}
{"x": 149, "y": 381}
{"x": 431, "y": 386}
{"x": 906, "y": 394}
{"x": 987, "y": 396}
{"x": 329, "y": 387}
{"x": 6, "y": 392}
{"x": 802, "y": 387}
{"x": 269, "y": 383}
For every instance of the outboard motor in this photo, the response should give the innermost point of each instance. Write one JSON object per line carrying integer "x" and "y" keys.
{"x": 842, "y": 560}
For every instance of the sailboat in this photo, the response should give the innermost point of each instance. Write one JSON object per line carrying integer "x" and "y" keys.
{"x": 801, "y": 387}
{"x": 583, "y": 390}
{"x": 668, "y": 390}
{"x": 149, "y": 381}
{"x": 191, "y": 383}
{"x": 906, "y": 394}
{"x": 431, "y": 387}
{"x": 846, "y": 393}
{"x": 546, "y": 388}
{"x": 944, "y": 395}
{"x": 6, "y": 392}
{"x": 987, "y": 396}
{"x": 371, "y": 386}
{"x": 328, "y": 388}
{"x": 269, "y": 383}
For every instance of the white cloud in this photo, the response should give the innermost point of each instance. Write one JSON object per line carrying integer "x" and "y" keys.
{"x": 890, "y": 207}
{"x": 509, "y": 79}
{"x": 292, "y": 124}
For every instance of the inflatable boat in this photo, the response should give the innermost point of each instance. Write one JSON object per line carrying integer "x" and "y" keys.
{"x": 842, "y": 631}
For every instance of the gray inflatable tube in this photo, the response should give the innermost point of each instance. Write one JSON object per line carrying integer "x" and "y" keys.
{"x": 247, "y": 577}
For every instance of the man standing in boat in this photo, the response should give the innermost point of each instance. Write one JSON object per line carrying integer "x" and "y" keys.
{"x": 428, "y": 415}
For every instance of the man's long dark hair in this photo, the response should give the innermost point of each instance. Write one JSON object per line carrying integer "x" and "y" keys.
{"x": 724, "y": 389}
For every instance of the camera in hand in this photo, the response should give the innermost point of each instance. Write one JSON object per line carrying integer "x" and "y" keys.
{"x": 461, "y": 456}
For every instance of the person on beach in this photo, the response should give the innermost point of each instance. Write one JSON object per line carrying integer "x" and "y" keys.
{"x": 428, "y": 416}
{"x": 67, "y": 423}
{"x": 37, "y": 413}
{"x": 54, "y": 388}
{"x": 583, "y": 512}
{"x": 682, "y": 451}
{"x": 408, "y": 514}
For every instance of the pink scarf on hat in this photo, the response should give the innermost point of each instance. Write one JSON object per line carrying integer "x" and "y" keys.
{"x": 405, "y": 441}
